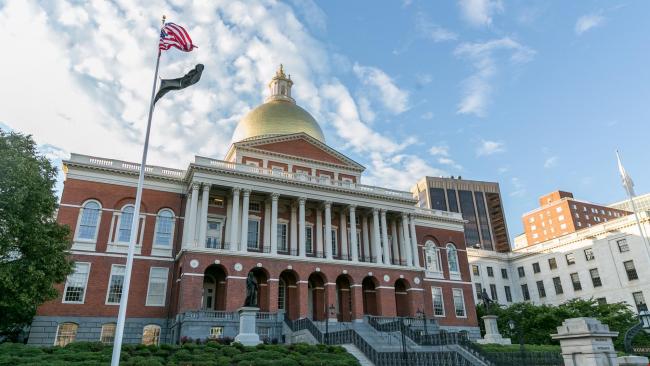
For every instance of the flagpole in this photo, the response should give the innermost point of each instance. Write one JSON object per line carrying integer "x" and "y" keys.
{"x": 636, "y": 214}
{"x": 121, "y": 317}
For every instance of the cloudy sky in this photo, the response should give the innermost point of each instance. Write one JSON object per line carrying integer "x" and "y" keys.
{"x": 536, "y": 95}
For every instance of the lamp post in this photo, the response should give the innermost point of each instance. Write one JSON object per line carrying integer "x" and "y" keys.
{"x": 404, "y": 354}
{"x": 421, "y": 314}
{"x": 643, "y": 325}
{"x": 328, "y": 312}
{"x": 512, "y": 325}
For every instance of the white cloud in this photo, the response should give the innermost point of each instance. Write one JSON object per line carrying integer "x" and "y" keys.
{"x": 383, "y": 88}
{"x": 449, "y": 162}
{"x": 587, "y": 22}
{"x": 439, "y": 150}
{"x": 430, "y": 30}
{"x": 519, "y": 189}
{"x": 487, "y": 147}
{"x": 427, "y": 115}
{"x": 400, "y": 171}
{"x": 550, "y": 162}
{"x": 477, "y": 88}
{"x": 480, "y": 12}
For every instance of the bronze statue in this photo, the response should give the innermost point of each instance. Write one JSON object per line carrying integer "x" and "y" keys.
{"x": 486, "y": 301}
{"x": 251, "y": 291}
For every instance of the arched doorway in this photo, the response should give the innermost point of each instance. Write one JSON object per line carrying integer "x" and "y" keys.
{"x": 214, "y": 288}
{"x": 288, "y": 300}
{"x": 344, "y": 298}
{"x": 316, "y": 296}
{"x": 402, "y": 298}
{"x": 262, "y": 278}
{"x": 369, "y": 289}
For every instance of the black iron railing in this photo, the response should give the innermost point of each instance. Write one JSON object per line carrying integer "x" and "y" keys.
{"x": 261, "y": 249}
{"x": 367, "y": 259}
{"x": 287, "y": 251}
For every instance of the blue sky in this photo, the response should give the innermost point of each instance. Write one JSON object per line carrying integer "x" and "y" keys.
{"x": 535, "y": 95}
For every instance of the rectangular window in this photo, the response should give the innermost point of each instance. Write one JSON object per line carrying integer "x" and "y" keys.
{"x": 524, "y": 292}
{"x": 595, "y": 277}
{"x": 213, "y": 235}
{"x": 115, "y": 284}
{"x": 75, "y": 285}
{"x": 493, "y": 292}
{"x": 504, "y": 273}
{"x": 639, "y": 301}
{"x": 475, "y": 270}
{"x": 602, "y": 301}
{"x": 589, "y": 254}
{"x": 164, "y": 228}
{"x": 570, "y": 259}
{"x": 437, "y": 196}
{"x": 536, "y": 268}
{"x": 253, "y": 237}
{"x": 459, "y": 302}
{"x": 540, "y": 289}
{"x": 575, "y": 281}
{"x": 469, "y": 214}
{"x": 309, "y": 241}
{"x": 483, "y": 220}
{"x": 622, "y": 245}
{"x": 453, "y": 203}
{"x": 108, "y": 333}
{"x": 335, "y": 243}
{"x": 479, "y": 290}
{"x": 438, "y": 304}
{"x": 508, "y": 293}
{"x": 533, "y": 227}
{"x": 490, "y": 272}
{"x": 557, "y": 283}
{"x": 282, "y": 238}
{"x": 216, "y": 332}
{"x": 254, "y": 207}
{"x": 552, "y": 264}
{"x": 521, "y": 271}
{"x": 157, "y": 286}
{"x": 630, "y": 270}
{"x": 560, "y": 218}
{"x": 66, "y": 333}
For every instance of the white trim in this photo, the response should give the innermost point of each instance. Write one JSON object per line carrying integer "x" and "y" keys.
{"x": 385, "y": 287}
{"x": 445, "y": 281}
{"x": 65, "y": 289}
{"x": 151, "y": 258}
{"x": 191, "y": 274}
{"x": 164, "y": 295}
{"x": 171, "y": 234}
{"x": 236, "y": 277}
{"x": 462, "y": 296}
{"x": 442, "y": 301}
{"x": 414, "y": 289}
{"x": 87, "y": 244}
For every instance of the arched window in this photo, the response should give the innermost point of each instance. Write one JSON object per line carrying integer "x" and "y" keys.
{"x": 108, "y": 333}
{"x": 126, "y": 219}
{"x": 164, "y": 228}
{"x": 452, "y": 258}
{"x": 432, "y": 257}
{"x": 89, "y": 221}
{"x": 66, "y": 333}
{"x": 282, "y": 294}
{"x": 151, "y": 335}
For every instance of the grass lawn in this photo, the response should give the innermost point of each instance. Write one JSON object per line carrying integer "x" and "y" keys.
{"x": 189, "y": 354}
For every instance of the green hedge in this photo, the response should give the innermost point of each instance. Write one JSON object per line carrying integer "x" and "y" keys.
{"x": 211, "y": 354}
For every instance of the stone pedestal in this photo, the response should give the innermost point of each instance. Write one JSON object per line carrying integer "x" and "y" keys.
{"x": 586, "y": 342}
{"x": 633, "y": 361}
{"x": 247, "y": 331}
{"x": 492, "y": 335}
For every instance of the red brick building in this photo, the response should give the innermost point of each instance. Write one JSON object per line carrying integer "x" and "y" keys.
{"x": 282, "y": 205}
{"x": 560, "y": 214}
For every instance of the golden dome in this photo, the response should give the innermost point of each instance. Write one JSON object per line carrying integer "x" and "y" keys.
{"x": 279, "y": 115}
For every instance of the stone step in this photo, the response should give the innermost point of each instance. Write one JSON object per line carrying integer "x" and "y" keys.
{"x": 354, "y": 351}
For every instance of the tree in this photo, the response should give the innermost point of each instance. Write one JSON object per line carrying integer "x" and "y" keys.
{"x": 538, "y": 322}
{"x": 33, "y": 246}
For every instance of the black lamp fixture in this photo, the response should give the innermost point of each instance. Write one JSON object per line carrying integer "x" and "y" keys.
{"x": 644, "y": 316}
{"x": 511, "y": 324}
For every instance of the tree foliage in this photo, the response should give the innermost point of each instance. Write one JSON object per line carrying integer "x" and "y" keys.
{"x": 32, "y": 244}
{"x": 538, "y": 322}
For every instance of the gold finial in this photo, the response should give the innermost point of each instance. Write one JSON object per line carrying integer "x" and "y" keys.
{"x": 280, "y": 72}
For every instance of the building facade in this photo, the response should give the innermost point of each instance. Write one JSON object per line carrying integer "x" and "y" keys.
{"x": 282, "y": 205}
{"x": 478, "y": 202}
{"x": 560, "y": 214}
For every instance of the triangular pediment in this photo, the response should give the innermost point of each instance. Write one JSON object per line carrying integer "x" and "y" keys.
{"x": 300, "y": 146}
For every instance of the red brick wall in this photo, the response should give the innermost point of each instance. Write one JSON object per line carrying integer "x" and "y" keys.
{"x": 247, "y": 159}
{"x": 274, "y": 164}
{"x": 301, "y": 148}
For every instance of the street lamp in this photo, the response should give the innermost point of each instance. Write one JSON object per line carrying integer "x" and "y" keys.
{"x": 330, "y": 310}
{"x": 421, "y": 314}
{"x": 512, "y": 325}
{"x": 404, "y": 354}
{"x": 643, "y": 325}
{"x": 645, "y": 319}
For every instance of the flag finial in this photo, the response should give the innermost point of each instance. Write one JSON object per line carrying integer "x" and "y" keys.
{"x": 164, "y": 17}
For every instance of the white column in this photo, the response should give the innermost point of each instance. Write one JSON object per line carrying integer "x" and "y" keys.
{"x": 394, "y": 240}
{"x": 191, "y": 238}
{"x": 186, "y": 219}
{"x": 267, "y": 224}
{"x": 343, "y": 231}
{"x": 243, "y": 243}
{"x": 203, "y": 223}
{"x": 365, "y": 236}
{"x": 376, "y": 241}
{"x": 414, "y": 243}
{"x": 353, "y": 234}
{"x": 328, "y": 230}
{"x": 226, "y": 236}
{"x": 234, "y": 219}
{"x": 384, "y": 237}
{"x": 274, "y": 223}
{"x": 319, "y": 231}
{"x": 293, "y": 227}
{"x": 302, "y": 250}
{"x": 406, "y": 240}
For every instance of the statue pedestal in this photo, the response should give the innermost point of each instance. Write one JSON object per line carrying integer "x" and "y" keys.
{"x": 586, "y": 342}
{"x": 492, "y": 335}
{"x": 247, "y": 331}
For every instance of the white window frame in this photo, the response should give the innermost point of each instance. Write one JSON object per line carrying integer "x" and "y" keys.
{"x": 252, "y": 204}
{"x": 67, "y": 282}
{"x": 335, "y": 241}
{"x": 159, "y": 280}
{"x": 116, "y": 246}
{"x": 156, "y": 338}
{"x": 310, "y": 227}
{"x": 114, "y": 268}
{"x": 104, "y": 328}
{"x": 462, "y": 297}
{"x": 171, "y": 233}
{"x": 214, "y": 334}
{"x": 57, "y": 335}
{"x": 248, "y": 237}
{"x": 87, "y": 244}
{"x": 442, "y": 301}
{"x": 453, "y": 274}
{"x": 222, "y": 222}
{"x": 279, "y": 236}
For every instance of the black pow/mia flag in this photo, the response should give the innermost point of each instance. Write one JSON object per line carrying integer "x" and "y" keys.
{"x": 191, "y": 78}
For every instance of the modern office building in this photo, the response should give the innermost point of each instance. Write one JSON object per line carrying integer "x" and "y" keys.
{"x": 282, "y": 206}
{"x": 560, "y": 214}
{"x": 479, "y": 203}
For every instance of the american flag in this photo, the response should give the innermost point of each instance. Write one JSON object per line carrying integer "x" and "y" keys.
{"x": 173, "y": 35}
